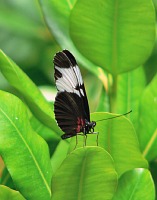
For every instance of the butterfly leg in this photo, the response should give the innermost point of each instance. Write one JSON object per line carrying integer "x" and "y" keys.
{"x": 76, "y": 142}
{"x": 97, "y": 137}
{"x": 85, "y": 140}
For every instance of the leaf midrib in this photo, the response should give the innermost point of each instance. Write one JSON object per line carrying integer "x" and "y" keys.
{"x": 81, "y": 179}
{"x": 134, "y": 189}
{"x": 114, "y": 47}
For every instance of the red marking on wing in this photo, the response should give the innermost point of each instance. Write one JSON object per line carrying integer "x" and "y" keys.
{"x": 80, "y": 125}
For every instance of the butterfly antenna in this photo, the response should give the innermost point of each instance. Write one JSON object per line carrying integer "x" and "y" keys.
{"x": 115, "y": 116}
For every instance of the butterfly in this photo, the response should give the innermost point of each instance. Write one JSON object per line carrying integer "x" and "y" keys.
{"x": 71, "y": 106}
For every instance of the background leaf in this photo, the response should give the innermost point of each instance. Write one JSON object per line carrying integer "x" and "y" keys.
{"x": 6, "y": 179}
{"x": 129, "y": 93}
{"x": 134, "y": 185}
{"x": 112, "y": 30}
{"x": 22, "y": 26}
{"x": 147, "y": 129}
{"x": 46, "y": 133}
{"x": 153, "y": 167}
{"x": 24, "y": 152}
{"x": 90, "y": 174}
{"x": 7, "y": 193}
{"x": 33, "y": 97}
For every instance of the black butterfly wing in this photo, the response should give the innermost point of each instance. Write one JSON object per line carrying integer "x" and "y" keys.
{"x": 71, "y": 105}
{"x": 68, "y": 113}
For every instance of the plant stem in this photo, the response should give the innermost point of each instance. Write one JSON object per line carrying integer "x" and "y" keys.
{"x": 112, "y": 79}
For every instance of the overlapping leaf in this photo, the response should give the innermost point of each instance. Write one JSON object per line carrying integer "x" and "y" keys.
{"x": 116, "y": 35}
{"x": 119, "y": 138}
{"x": 9, "y": 194}
{"x": 134, "y": 185}
{"x": 147, "y": 127}
{"x": 33, "y": 97}
{"x": 87, "y": 173}
{"x": 130, "y": 86}
{"x": 24, "y": 152}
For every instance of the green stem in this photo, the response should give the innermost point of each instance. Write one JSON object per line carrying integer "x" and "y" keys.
{"x": 113, "y": 92}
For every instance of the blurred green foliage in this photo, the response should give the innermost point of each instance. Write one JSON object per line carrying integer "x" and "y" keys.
{"x": 26, "y": 39}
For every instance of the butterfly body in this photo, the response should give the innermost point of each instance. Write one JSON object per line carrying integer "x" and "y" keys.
{"x": 71, "y": 105}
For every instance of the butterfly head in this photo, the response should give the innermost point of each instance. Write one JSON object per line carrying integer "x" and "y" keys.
{"x": 90, "y": 126}
{"x": 93, "y": 124}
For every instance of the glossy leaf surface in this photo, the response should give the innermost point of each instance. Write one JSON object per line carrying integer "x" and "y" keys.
{"x": 9, "y": 194}
{"x": 87, "y": 173}
{"x": 134, "y": 185}
{"x": 33, "y": 97}
{"x": 130, "y": 86}
{"x": 24, "y": 152}
{"x": 108, "y": 33}
{"x": 147, "y": 129}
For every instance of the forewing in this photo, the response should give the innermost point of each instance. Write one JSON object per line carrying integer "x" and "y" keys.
{"x": 68, "y": 78}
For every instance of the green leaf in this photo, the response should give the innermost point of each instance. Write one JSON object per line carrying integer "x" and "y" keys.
{"x": 116, "y": 35}
{"x": 46, "y": 133}
{"x": 153, "y": 167}
{"x": 98, "y": 101}
{"x": 59, "y": 155}
{"x": 6, "y": 179}
{"x": 87, "y": 173}
{"x": 24, "y": 152}
{"x": 117, "y": 136}
{"x": 134, "y": 185}
{"x": 9, "y": 194}
{"x": 33, "y": 97}
{"x": 129, "y": 93}
{"x": 150, "y": 65}
{"x": 56, "y": 14}
{"x": 147, "y": 129}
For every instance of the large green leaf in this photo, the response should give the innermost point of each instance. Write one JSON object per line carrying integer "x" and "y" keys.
{"x": 56, "y": 14}
{"x": 87, "y": 173}
{"x": 33, "y": 97}
{"x": 46, "y": 133}
{"x": 9, "y": 194}
{"x": 134, "y": 185}
{"x": 147, "y": 127}
{"x": 24, "y": 152}
{"x": 116, "y": 35}
{"x": 130, "y": 87}
{"x": 118, "y": 137}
